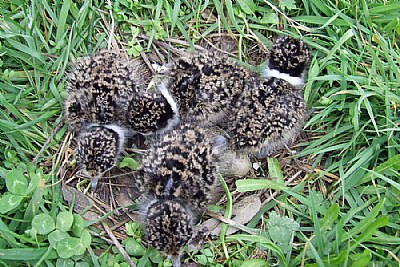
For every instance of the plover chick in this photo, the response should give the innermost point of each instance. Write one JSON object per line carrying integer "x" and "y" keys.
{"x": 183, "y": 164}
{"x": 99, "y": 147}
{"x": 271, "y": 110}
{"x": 288, "y": 60}
{"x": 100, "y": 88}
{"x": 152, "y": 111}
{"x": 205, "y": 85}
{"x": 179, "y": 176}
{"x": 266, "y": 118}
{"x": 169, "y": 226}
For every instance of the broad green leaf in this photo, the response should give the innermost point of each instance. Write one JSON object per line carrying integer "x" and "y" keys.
{"x": 274, "y": 169}
{"x": 64, "y": 221}
{"x": 245, "y": 185}
{"x": 67, "y": 247}
{"x": 154, "y": 255}
{"x": 133, "y": 247}
{"x": 56, "y": 236}
{"x": 33, "y": 233}
{"x": 135, "y": 50}
{"x": 35, "y": 203}
{"x": 78, "y": 225}
{"x": 16, "y": 182}
{"x": 129, "y": 162}
{"x": 331, "y": 215}
{"x": 33, "y": 183}
{"x": 325, "y": 101}
{"x": 80, "y": 249}
{"x": 383, "y": 238}
{"x": 263, "y": 242}
{"x": 287, "y": 4}
{"x": 43, "y": 223}
{"x": 281, "y": 230}
{"x": 371, "y": 229}
{"x": 9, "y": 202}
{"x": 361, "y": 259}
{"x": 254, "y": 263}
{"x": 248, "y": 6}
{"x": 86, "y": 238}
{"x": 65, "y": 263}
{"x": 82, "y": 264}
{"x": 270, "y": 18}
{"x": 135, "y": 228}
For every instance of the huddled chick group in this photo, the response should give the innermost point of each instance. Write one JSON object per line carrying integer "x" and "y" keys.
{"x": 106, "y": 103}
{"x": 205, "y": 111}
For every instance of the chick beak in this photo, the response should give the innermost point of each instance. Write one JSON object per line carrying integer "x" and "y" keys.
{"x": 176, "y": 260}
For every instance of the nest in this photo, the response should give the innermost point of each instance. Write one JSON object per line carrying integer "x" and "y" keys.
{"x": 113, "y": 202}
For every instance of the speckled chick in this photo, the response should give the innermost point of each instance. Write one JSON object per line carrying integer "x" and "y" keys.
{"x": 169, "y": 226}
{"x": 100, "y": 88}
{"x": 152, "y": 111}
{"x": 271, "y": 110}
{"x": 179, "y": 177}
{"x": 267, "y": 118}
{"x": 205, "y": 85}
{"x": 288, "y": 60}
{"x": 98, "y": 149}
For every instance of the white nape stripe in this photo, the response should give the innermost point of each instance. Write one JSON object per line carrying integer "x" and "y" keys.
{"x": 168, "y": 187}
{"x": 150, "y": 85}
{"x": 295, "y": 81}
{"x": 121, "y": 133}
{"x": 175, "y": 119}
{"x": 164, "y": 91}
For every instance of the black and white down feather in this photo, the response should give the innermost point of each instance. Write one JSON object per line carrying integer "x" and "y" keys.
{"x": 267, "y": 117}
{"x": 107, "y": 100}
{"x": 288, "y": 61}
{"x": 152, "y": 111}
{"x": 100, "y": 88}
{"x": 178, "y": 179}
{"x": 98, "y": 149}
{"x": 205, "y": 85}
{"x": 271, "y": 109}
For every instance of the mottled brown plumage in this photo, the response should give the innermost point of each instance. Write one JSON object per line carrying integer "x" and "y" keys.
{"x": 179, "y": 176}
{"x": 169, "y": 226}
{"x": 271, "y": 109}
{"x": 152, "y": 111}
{"x": 98, "y": 150}
{"x": 109, "y": 89}
{"x": 183, "y": 164}
{"x": 288, "y": 60}
{"x": 267, "y": 117}
{"x": 205, "y": 85}
{"x": 100, "y": 88}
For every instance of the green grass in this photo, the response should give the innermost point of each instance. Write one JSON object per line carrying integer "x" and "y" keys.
{"x": 353, "y": 88}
